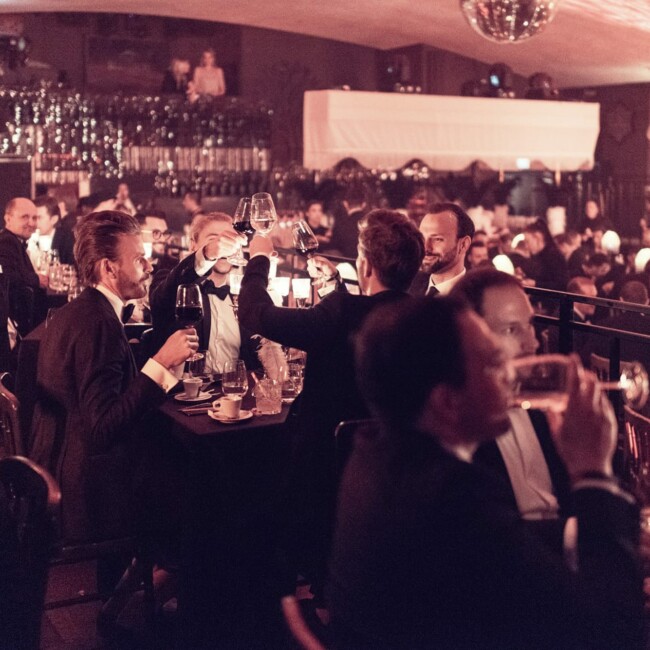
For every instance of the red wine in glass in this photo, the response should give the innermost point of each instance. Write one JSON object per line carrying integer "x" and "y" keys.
{"x": 189, "y": 305}
{"x": 244, "y": 227}
{"x": 304, "y": 240}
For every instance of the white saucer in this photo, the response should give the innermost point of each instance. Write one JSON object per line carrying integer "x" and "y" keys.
{"x": 243, "y": 415}
{"x": 201, "y": 397}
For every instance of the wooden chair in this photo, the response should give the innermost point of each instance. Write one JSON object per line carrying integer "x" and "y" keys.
{"x": 28, "y": 510}
{"x": 297, "y": 625}
{"x": 344, "y": 438}
{"x": 637, "y": 438}
{"x": 12, "y": 441}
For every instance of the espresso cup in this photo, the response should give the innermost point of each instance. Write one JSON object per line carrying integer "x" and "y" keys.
{"x": 192, "y": 385}
{"x": 229, "y": 406}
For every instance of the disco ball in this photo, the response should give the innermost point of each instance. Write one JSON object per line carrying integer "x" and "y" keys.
{"x": 509, "y": 21}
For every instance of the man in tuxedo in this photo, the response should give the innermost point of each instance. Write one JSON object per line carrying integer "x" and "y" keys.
{"x": 91, "y": 399}
{"x": 390, "y": 250}
{"x": 447, "y": 230}
{"x": 24, "y": 286}
{"x": 51, "y": 234}
{"x": 428, "y": 552}
{"x": 524, "y": 456}
{"x": 212, "y": 240}
{"x": 346, "y": 225}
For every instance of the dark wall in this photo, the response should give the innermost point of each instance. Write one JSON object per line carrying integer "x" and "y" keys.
{"x": 623, "y": 150}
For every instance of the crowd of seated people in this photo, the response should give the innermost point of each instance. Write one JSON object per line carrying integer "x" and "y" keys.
{"x": 457, "y": 515}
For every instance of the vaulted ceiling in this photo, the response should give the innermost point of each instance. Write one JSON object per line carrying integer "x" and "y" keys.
{"x": 590, "y": 42}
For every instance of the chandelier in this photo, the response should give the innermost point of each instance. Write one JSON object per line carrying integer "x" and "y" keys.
{"x": 509, "y": 21}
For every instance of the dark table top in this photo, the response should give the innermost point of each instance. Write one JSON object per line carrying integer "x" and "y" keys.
{"x": 189, "y": 428}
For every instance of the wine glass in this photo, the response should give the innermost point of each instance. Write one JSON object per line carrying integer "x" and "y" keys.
{"x": 189, "y": 307}
{"x": 540, "y": 382}
{"x": 304, "y": 240}
{"x": 263, "y": 215}
{"x": 301, "y": 288}
{"x": 234, "y": 380}
{"x": 242, "y": 224}
{"x": 235, "y": 278}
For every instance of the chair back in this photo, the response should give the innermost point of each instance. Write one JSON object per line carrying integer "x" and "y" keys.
{"x": 9, "y": 423}
{"x": 344, "y": 438}
{"x": 29, "y": 504}
{"x": 298, "y": 626}
{"x": 637, "y": 446}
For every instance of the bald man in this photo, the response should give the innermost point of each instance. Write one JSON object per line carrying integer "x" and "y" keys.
{"x": 25, "y": 286}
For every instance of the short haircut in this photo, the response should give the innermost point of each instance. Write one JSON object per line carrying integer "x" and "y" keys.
{"x": 539, "y": 226}
{"x": 314, "y": 202}
{"x": 202, "y": 220}
{"x": 11, "y": 205}
{"x": 50, "y": 204}
{"x": 355, "y": 196}
{"x": 477, "y": 244}
{"x": 465, "y": 225}
{"x": 394, "y": 246}
{"x": 403, "y": 351}
{"x": 98, "y": 237}
{"x": 472, "y": 286}
{"x": 597, "y": 259}
{"x": 577, "y": 284}
{"x": 570, "y": 237}
{"x": 194, "y": 196}
{"x": 634, "y": 291}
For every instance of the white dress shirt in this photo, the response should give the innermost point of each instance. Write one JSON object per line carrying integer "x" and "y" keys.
{"x": 447, "y": 285}
{"x": 154, "y": 370}
{"x": 527, "y": 468}
{"x": 225, "y": 336}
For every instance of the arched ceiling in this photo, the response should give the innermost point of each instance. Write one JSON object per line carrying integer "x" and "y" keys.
{"x": 590, "y": 42}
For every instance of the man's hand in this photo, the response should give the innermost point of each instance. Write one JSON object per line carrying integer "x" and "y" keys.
{"x": 261, "y": 245}
{"x": 321, "y": 268}
{"x": 181, "y": 345}
{"x": 43, "y": 281}
{"x": 224, "y": 244}
{"x": 587, "y": 438}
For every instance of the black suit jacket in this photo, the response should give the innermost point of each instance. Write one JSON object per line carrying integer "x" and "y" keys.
{"x": 420, "y": 284}
{"x": 63, "y": 242}
{"x": 163, "y": 302}
{"x": 330, "y": 395}
{"x": 489, "y": 456}
{"x": 90, "y": 400}
{"x": 26, "y": 298}
{"x": 429, "y": 554}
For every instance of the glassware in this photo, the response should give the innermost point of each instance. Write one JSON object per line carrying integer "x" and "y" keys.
{"x": 268, "y": 396}
{"x": 540, "y": 382}
{"x": 242, "y": 224}
{"x": 189, "y": 305}
{"x": 304, "y": 240}
{"x": 301, "y": 288}
{"x": 263, "y": 216}
{"x": 293, "y": 381}
{"x": 235, "y": 279}
{"x": 234, "y": 380}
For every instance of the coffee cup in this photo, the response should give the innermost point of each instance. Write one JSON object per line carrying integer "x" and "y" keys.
{"x": 229, "y": 406}
{"x": 192, "y": 385}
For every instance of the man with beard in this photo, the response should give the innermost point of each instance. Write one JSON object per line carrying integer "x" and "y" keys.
{"x": 91, "y": 398}
{"x": 448, "y": 232}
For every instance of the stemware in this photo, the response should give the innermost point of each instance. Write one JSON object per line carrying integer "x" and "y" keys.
{"x": 234, "y": 380}
{"x": 235, "y": 279}
{"x": 304, "y": 240}
{"x": 301, "y": 288}
{"x": 189, "y": 307}
{"x": 242, "y": 224}
{"x": 263, "y": 216}
{"x": 540, "y": 382}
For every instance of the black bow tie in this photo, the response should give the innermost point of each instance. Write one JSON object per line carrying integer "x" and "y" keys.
{"x": 221, "y": 292}
{"x": 433, "y": 291}
{"x": 127, "y": 312}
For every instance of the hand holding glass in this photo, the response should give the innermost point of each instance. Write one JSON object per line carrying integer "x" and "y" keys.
{"x": 242, "y": 224}
{"x": 540, "y": 382}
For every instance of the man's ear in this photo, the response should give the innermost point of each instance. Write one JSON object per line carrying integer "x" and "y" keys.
{"x": 107, "y": 268}
{"x": 444, "y": 404}
{"x": 465, "y": 243}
